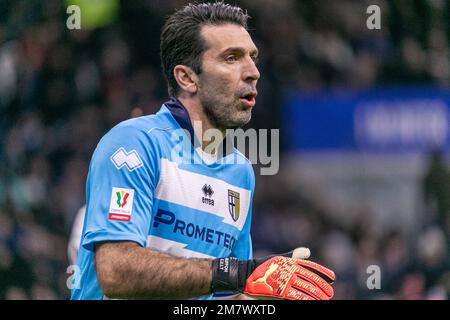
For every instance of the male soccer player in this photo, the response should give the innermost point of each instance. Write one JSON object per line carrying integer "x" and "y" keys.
{"x": 164, "y": 222}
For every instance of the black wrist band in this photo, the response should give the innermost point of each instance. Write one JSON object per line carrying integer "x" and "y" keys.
{"x": 230, "y": 274}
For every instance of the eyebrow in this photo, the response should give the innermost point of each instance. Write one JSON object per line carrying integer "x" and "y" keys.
{"x": 254, "y": 52}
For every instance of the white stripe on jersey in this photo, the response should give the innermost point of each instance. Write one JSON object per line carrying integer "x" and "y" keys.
{"x": 173, "y": 248}
{"x": 184, "y": 188}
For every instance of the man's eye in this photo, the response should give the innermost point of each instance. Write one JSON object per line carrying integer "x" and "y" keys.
{"x": 255, "y": 59}
{"x": 231, "y": 58}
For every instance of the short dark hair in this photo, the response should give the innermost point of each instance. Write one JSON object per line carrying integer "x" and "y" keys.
{"x": 181, "y": 42}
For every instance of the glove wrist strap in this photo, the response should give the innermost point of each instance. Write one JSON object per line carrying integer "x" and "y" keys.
{"x": 230, "y": 274}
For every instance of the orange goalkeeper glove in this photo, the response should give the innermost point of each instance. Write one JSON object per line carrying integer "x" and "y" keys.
{"x": 286, "y": 276}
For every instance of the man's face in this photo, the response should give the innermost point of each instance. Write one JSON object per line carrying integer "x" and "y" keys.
{"x": 227, "y": 83}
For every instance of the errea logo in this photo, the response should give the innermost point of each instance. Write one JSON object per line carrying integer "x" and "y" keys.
{"x": 130, "y": 159}
{"x": 208, "y": 192}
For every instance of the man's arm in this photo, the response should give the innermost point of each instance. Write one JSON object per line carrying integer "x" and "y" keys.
{"x": 126, "y": 270}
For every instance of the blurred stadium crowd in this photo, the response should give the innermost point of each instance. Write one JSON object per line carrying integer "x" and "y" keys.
{"x": 61, "y": 90}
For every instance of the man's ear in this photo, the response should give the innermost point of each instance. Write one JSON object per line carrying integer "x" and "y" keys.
{"x": 186, "y": 78}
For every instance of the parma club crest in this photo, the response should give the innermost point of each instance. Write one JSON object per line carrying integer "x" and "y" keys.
{"x": 233, "y": 204}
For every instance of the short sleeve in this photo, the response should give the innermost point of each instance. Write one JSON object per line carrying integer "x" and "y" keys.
{"x": 120, "y": 187}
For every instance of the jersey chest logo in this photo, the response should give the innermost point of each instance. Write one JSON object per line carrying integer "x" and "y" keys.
{"x": 208, "y": 193}
{"x": 234, "y": 204}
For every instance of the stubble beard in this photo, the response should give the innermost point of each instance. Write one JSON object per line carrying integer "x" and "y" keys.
{"x": 225, "y": 115}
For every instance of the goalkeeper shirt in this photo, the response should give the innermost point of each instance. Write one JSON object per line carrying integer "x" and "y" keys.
{"x": 148, "y": 184}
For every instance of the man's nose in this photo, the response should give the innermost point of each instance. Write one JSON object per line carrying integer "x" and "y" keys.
{"x": 251, "y": 72}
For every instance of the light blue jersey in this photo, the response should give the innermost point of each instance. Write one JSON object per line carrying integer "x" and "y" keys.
{"x": 141, "y": 188}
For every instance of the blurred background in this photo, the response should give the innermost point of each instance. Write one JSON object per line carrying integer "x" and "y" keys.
{"x": 363, "y": 117}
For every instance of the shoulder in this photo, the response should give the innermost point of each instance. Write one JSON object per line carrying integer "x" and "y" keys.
{"x": 145, "y": 127}
{"x": 143, "y": 132}
{"x": 135, "y": 142}
{"x": 244, "y": 166}
{"x": 241, "y": 158}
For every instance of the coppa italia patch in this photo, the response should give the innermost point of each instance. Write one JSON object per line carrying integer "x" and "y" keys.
{"x": 121, "y": 204}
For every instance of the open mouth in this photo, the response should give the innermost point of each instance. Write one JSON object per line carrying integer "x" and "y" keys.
{"x": 249, "y": 97}
{"x": 248, "y": 100}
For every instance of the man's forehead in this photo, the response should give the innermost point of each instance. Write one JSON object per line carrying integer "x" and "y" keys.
{"x": 219, "y": 38}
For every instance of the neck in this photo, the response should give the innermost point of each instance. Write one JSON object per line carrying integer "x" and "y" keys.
{"x": 200, "y": 122}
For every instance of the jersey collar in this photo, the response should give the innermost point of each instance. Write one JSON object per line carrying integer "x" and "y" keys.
{"x": 181, "y": 116}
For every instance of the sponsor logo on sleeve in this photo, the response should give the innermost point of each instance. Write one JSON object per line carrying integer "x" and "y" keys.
{"x": 121, "y": 204}
{"x": 131, "y": 160}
